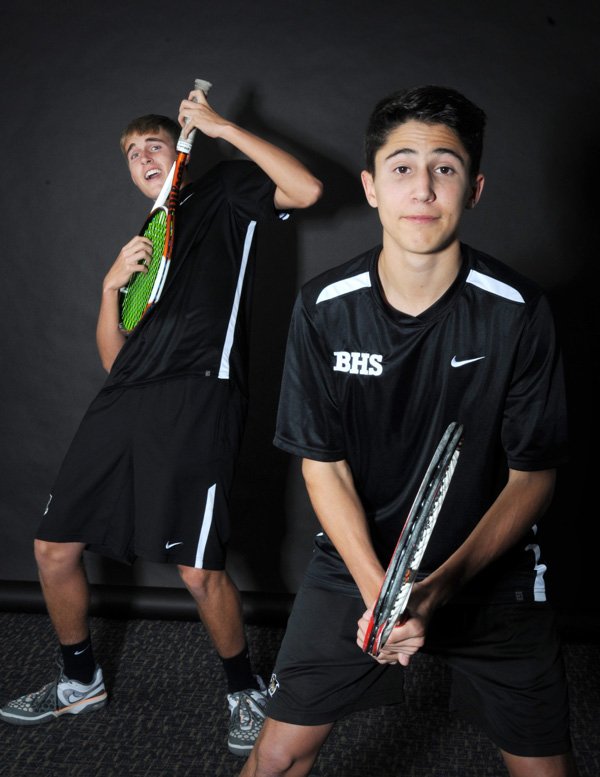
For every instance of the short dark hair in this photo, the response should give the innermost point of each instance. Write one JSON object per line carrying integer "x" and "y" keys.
{"x": 151, "y": 122}
{"x": 431, "y": 105}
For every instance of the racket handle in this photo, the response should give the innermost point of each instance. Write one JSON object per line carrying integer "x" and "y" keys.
{"x": 185, "y": 144}
{"x": 202, "y": 86}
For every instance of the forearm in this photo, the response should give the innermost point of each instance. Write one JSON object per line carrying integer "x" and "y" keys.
{"x": 134, "y": 257}
{"x": 296, "y": 186}
{"x": 340, "y": 512}
{"x": 519, "y": 505}
{"x": 522, "y": 501}
{"x": 109, "y": 337}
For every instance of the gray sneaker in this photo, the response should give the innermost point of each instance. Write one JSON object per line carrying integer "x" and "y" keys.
{"x": 63, "y": 696}
{"x": 247, "y": 710}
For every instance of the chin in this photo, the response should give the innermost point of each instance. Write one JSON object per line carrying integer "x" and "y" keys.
{"x": 151, "y": 192}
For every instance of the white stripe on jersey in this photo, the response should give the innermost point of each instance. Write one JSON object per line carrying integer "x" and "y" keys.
{"x": 224, "y": 366}
{"x": 206, "y": 524}
{"x": 344, "y": 287}
{"x": 487, "y": 283}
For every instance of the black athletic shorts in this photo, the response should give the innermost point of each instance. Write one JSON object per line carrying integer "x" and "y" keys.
{"x": 149, "y": 474}
{"x": 507, "y": 671}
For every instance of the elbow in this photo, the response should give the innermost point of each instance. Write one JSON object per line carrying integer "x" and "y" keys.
{"x": 107, "y": 357}
{"x": 305, "y": 191}
{"x": 314, "y": 192}
{"x": 308, "y": 194}
{"x": 107, "y": 364}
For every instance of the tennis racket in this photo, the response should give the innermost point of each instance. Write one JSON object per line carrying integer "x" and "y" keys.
{"x": 414, "y": 537}
{"x": 143, "y": 290}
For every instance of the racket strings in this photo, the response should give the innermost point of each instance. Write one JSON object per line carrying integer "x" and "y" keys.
{"x": 417, "y": 552}
{"x": 140, "y": 286}
{"x": 413, "y": 541}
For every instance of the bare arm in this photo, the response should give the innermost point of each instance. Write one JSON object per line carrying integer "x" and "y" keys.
{"x": 296, "y": 186}
{"x": 523, "y": 500}
{"x": 331, "y": 489}
{"x": 109, "y": 337}
{"x": 519, "y": 505}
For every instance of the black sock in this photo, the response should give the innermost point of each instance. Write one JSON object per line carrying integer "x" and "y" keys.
{"x": 239, "y": 672}
{"x": 78, "y": 661}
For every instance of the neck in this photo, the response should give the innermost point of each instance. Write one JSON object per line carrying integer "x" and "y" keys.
{"x": 412, "y": 282}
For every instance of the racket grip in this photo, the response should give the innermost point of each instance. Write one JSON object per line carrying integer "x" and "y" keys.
{"x": 184, "y": 145}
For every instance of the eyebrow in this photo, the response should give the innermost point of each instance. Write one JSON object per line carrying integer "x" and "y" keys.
{"x": 146, "y": 140}
{"x": 439, "y": 151}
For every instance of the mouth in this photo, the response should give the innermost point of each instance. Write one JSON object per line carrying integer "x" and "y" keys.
{"x": 152, "y": 173}
{"x": 420, "y": 219}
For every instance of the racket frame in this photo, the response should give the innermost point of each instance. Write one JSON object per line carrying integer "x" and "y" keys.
{"x": 167, "y": 201}
{"x": 412, "y": 543}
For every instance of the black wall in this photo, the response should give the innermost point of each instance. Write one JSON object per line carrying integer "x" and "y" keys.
{"x": 305, "y": 75}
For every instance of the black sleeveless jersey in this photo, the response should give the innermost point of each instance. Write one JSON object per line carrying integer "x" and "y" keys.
{"x": 366, "y": 383}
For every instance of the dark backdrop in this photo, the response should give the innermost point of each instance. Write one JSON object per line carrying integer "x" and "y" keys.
{"x": 305, "y": 75}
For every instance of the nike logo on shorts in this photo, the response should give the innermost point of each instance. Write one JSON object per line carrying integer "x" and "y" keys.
{"x": 461, "y": 363}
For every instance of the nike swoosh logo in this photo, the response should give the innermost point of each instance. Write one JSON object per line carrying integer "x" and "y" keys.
{"x": 170, "y": 545}
{"x": 79, "y": 652}
{"x": 457, "y": 363}
{"x": 74, "y": 696}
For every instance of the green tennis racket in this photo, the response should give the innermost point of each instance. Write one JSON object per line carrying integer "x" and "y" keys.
{"x": 143, "y": 290}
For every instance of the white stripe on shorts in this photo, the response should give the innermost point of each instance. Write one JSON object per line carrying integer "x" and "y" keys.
{"x": 206, "y": 524}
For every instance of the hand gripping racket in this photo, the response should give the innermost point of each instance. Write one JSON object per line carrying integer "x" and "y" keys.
{"x": 411, "y": 545}
{"x": 143, "y": 290}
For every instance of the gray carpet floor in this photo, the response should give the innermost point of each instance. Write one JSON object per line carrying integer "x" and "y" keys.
{"x": 167, "y": 715}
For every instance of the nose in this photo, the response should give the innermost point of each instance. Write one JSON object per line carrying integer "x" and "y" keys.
{"x": 423, "y": 190}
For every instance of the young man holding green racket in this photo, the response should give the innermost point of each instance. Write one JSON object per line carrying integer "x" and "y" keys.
{"x": 150, "y": 469}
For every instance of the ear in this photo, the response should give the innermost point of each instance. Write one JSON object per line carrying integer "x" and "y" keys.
{"x": 369, "y": 187}
{"x": 475, "y": 192}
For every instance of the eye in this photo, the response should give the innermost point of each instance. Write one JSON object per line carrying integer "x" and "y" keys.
{"x": 155, "y": 147}
{"x": 402, "y": 169}
{"x": 445, "y": 170}
{"x": 133, "y": 155}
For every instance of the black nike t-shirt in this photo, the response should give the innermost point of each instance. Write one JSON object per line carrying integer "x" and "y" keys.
{"x": 199, "y": 326}
{"x": 366, "y": 383}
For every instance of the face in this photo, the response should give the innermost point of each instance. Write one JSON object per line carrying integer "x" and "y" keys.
{"x": 421, "y": 187}
{"x": 150, "y": 157}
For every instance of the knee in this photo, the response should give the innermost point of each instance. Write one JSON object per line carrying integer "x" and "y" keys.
{"x": 202, "y": 583}
{"x": 271, "y": 760}
{"x": 54, "y": 556}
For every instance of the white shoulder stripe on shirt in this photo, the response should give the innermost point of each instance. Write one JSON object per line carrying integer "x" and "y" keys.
{"x": 487, "y": 283}
{"x": 344, "y": 286}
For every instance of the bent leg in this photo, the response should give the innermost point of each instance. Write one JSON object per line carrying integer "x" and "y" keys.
{"x": 65, "y": 588}
{"x": 219, "y": 606}
{"x": 547, "y": 766}
{"x": 285, "y": 750}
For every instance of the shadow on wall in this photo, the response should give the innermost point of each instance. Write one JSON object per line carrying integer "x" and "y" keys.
{"x": 572, "y": 209}
{"x": 259, "y": 500}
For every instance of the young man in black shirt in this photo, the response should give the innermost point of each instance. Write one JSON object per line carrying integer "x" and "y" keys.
{"x": 383, "y": 353}
{"x": 150, "y": 469}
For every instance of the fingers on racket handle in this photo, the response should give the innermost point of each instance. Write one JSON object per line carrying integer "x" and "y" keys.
{"x": 185, "y": 144}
